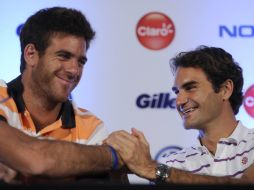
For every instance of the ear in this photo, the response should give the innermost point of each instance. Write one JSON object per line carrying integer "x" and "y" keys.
{"x": 226, "y": 89}
{"x": 30, "y": 55}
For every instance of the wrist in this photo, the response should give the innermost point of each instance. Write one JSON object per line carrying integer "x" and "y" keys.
{"x": 148, "y": 171}
{"x": 162, "y": 173}
{"x": 114, "y": 158}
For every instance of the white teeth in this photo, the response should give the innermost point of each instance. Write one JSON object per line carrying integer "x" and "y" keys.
{"x": 188, "y": 110}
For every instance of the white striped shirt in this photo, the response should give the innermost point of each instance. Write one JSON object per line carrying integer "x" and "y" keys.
{"x": 233, "y": 155}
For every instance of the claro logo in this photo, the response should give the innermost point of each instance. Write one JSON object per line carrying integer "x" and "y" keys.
{"x": 249, "y": 101}
{"x": 156, "y": 101}
{"x": 155, "y": 31}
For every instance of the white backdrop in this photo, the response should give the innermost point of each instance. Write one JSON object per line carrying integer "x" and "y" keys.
{"x": 120, "y": 68}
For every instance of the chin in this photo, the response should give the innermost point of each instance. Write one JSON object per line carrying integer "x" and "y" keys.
{"x": 61, "y": 98}
{"x": 192, "y": 126}
{"x": 189, "y": 126}
{"x": 65, "y": 98}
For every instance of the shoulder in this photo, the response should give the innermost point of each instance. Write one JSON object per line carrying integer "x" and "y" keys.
{"x": 3, "y": 89}
{"x": 84, "y": 114}
{"x": 247, "y": 133}
{"x": 3, "y": 83}
{"x": 88, "y": 117}
{"x": 90, "y": 128}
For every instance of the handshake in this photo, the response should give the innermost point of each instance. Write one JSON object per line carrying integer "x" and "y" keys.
{"x": 133, "y": 151}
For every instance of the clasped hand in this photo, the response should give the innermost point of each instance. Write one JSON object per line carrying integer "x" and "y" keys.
{"x": 134, "y": 150}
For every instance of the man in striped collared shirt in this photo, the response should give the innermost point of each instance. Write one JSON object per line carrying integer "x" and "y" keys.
{"x": 208, "y": 85}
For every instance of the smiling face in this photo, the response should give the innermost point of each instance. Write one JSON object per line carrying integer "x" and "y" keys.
{"x": 197, "y": 103}
{"x": 58, "y": 71}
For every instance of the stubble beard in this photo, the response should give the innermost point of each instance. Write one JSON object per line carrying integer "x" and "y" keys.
{"x": 43, "y": 88}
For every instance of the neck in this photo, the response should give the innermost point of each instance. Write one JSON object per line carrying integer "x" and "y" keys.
{"x": 42, "y": 110}
{"x": 223, "y": 128}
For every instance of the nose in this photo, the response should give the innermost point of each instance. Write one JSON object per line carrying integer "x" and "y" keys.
{"x": 181, "y": 99}
{"x": 72, "y": 67}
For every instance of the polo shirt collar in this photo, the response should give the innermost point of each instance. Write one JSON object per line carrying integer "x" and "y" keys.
{"x": 15, "y": 89}
{"x": 238, "y": 134}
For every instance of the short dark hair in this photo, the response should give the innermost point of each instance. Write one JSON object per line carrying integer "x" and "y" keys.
{"x": 218, "y": 65}
{"x": 40, "y": 27}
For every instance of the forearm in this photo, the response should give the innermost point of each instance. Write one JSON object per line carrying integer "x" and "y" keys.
{"x": 67, "y": 159}
{"x": 177, "y": 176}
{"x": 31, "y": 156}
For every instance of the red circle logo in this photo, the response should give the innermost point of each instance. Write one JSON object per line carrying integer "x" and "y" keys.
{"x": 155, "y": 31}
{"x": 249, "y": 101}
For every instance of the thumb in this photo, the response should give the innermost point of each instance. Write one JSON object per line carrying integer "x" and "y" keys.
{"x": 140, "y": 135}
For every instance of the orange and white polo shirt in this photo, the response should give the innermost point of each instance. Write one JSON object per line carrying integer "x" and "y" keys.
{"x": 74, "y": 124}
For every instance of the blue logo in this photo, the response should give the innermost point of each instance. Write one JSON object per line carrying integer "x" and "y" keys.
{"x": 166, "y": 151}
{"x": 235, "y": 31}
{"x": 161, "y": 100}
{"x": 70, "y": 97}
{"x": 19, "y": 28}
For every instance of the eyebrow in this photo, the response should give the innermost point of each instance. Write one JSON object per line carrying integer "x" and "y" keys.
{"x": 83, "y": 58}
{"x": 185, "y": 85}
{"x": 64, "y": 51}
{"x": 190, "y": 83}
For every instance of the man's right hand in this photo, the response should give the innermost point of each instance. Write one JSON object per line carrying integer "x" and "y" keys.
{"x": 135, "y": 152}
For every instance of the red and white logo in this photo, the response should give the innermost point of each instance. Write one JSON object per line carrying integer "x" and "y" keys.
{"x": 155, "y": 31}
{"x": 249, "y": 101}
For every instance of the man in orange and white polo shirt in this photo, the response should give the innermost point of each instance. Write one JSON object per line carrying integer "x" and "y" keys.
{"x": 53, "y": 42}
{"x": 72, "y": 124}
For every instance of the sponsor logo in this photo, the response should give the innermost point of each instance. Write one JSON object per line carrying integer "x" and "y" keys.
{"x": 19, "y": 28}
{"x": 244, "y": 160}
{"x": 70, "y": 97}
{"x": 166, "y": 151}
{"x": 161, "y": 100}
{"x": 249, "y": 101}
{"x": 155, "y": 31}
{"x": 235, "y": 31}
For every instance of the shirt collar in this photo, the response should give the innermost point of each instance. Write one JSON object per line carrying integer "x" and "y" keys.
{"x": 239, "y": 133}
{"x": 15, "y": 89}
